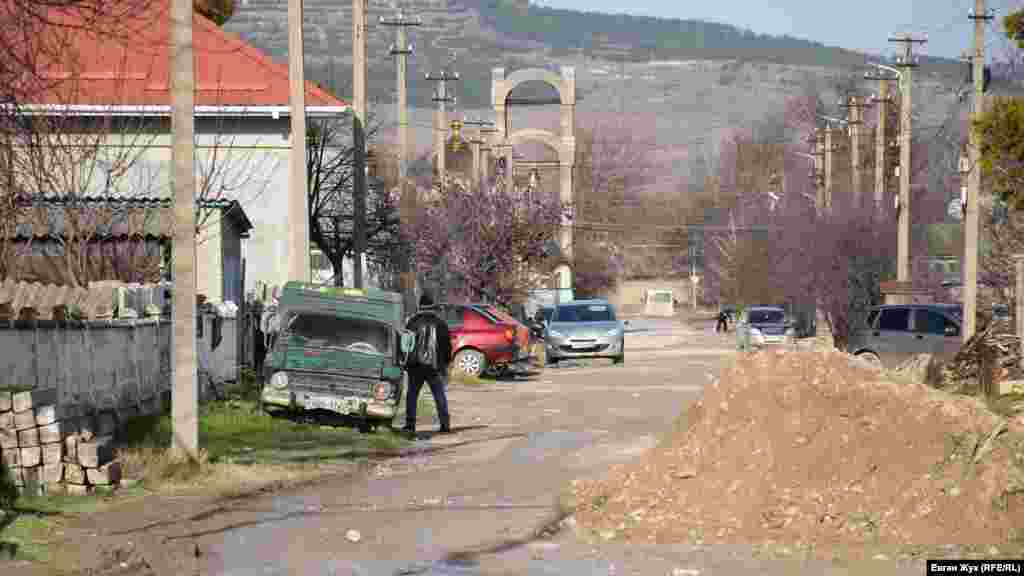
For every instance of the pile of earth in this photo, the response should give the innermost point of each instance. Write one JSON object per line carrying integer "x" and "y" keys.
{"x": 818, "y": 449}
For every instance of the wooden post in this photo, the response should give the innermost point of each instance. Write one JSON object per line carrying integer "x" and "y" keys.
{"x": 1018, "y": 296}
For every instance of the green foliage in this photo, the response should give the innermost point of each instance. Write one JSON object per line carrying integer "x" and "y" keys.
{"x": 8, "y": 491}
{"x": 1013, "y": 24}
{"x": 1001, "y": 133}
{"x": 220, "y": 11}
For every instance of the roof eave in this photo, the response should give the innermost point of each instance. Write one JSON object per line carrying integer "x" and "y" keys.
{"x": 163, "y": 111}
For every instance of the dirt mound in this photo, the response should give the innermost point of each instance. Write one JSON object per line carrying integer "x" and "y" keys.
{"x": 812, "y": 447}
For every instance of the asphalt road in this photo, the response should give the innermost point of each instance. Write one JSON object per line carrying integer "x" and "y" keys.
{"x": 472, "y": 503}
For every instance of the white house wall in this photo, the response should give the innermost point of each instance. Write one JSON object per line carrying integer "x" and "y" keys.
{"x": 252, "y": 156}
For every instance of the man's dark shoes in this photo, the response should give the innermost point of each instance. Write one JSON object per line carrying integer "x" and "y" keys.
{"x": 445, "y": 430}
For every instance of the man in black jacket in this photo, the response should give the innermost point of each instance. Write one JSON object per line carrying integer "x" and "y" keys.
{"x": 434, "y": 375}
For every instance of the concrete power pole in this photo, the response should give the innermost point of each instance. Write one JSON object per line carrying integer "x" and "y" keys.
{"x": 358, "y": 140}
{"x": 817, "y": 140}
{"x": 980, "y": 17}
{"x": 298, "y": 213}
{"x": 855, "y": 120}
{"x": 184, "y": 398}
{"x": 883, "y": 100}
{"x": 477, "y": 142}
{"x": 441, "y": 121}
{"x": 829, "y": 149}
{"x": 401, "y": 50}
{"x": 906, "y": 64}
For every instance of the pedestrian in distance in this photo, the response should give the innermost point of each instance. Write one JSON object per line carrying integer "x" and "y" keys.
{"x": 723, "y": 322}
{"x": 428, "y": 362}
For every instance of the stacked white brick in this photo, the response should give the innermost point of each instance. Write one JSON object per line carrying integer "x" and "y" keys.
{"x": 49, "y": 447}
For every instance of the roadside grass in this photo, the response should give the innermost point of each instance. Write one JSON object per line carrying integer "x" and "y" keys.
{"x": 242, "y": 448}
{"x": 27, "y": 529}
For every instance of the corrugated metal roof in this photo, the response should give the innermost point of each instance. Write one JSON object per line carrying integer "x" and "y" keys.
{"x": 98, "y": 300}
{"x": 112, "y": 217}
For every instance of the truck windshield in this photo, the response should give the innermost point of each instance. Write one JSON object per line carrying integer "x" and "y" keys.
{"x": 343, "y": 333}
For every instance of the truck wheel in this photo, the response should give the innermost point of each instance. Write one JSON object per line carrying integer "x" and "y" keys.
{"x": 470, "y": 362}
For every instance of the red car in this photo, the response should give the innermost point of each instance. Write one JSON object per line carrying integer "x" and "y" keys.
{"x": 484, "y": 339}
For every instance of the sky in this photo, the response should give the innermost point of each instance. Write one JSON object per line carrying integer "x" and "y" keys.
{"x": 863, "y": 25}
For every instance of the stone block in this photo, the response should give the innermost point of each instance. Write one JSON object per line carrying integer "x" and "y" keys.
{"x": 6, "y": 420}
{"x": 11, "y": 457}
{"x": 28, "y": 437}
{"x": 6, "y": 400}
{"x": 74, "y": 474}
{"x": 53, "y": 473}
{"x": 55, "y": 412}
{"x": 105, "y": 475}
{"x": 49, "y": 433}
{"x": 30, "y": 399}
{"x": 25, "y": 420}
{"x": 31, "y": 456}
{"x": 71, "y": 449}
{"x": 53, "y": 452}
{"x": 8, "y": 439}
{"x": 96, "y": 452}
{"x": 78, "y": 489}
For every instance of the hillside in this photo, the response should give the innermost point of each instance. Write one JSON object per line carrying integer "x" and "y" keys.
{"x": 678, "y": 84}
{"x": 488, "y": 33}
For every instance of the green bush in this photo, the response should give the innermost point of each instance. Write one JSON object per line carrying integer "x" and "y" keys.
{"x": 8, "y": 491}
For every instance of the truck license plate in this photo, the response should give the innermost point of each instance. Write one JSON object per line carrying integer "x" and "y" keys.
{"x": 339, "y": 405}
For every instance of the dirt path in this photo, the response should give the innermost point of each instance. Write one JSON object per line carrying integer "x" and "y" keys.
{"x": 469, "y": 503}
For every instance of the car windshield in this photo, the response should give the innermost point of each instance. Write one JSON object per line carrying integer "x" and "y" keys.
{"x": 767, "y": 316}
{"x": 343, "y": 333}
{"x": 584, "y": 313}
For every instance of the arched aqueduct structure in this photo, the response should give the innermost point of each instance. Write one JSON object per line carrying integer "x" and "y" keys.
{"x": 564, "y": 144}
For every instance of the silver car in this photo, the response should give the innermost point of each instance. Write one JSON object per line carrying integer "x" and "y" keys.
{"x": 895, "y": 332}
{"x": 584, "y": 329}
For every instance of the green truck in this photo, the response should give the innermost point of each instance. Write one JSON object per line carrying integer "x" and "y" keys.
{"x": 338, "y": 352}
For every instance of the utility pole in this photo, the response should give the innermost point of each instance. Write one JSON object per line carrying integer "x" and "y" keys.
{"x": 487, "y": 161}
{"x": 883, "y": 100}
{"x": 477, "y": 142}
{"x": 441, "y": 121}
{"x": 906, "y": 64}
{"x": 817, "y": 141}
{"x": 401, "y": 50}
{"x": 358, "y": 140}
{"x": 970, "y": 292}
{"x": 829, "y": 149}
{"x": 855, "y": 120}
{"x": 298, "y": 213}
{"x": 184, "y": 395}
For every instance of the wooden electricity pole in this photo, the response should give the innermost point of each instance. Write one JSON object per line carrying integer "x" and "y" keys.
{"x": 298, "y": 213}
{"x": 358, "y": 140}
{"x": 830, "y": 148}
{"x": 906, "y": 64}
{"x": 971, "y": 233}
{"x": 401, "y": 50}
{"x": 184, "y": 394}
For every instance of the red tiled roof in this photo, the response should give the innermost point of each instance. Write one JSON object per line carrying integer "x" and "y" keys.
{"x": 130, "y": 66}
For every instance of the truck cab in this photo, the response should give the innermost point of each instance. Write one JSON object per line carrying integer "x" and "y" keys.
{"x": 338, "y": 352}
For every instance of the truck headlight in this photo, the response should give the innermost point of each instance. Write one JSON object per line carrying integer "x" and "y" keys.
{"x": 789, "y": 332}
{"x": 279, "y": 381}
{"x": 754, "y": 331}
{"x": 555, "y": 334}
{"x": 382, "y": 391}
{"x": 613, "y": 332}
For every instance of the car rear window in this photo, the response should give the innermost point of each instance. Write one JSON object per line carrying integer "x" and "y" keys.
{"x": 894, "y": 319}
{"x": 767, "y": 316}
{"x": 584, "y": 313}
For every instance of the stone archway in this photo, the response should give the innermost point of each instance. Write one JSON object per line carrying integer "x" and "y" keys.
{"x": 564, "y": 144}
